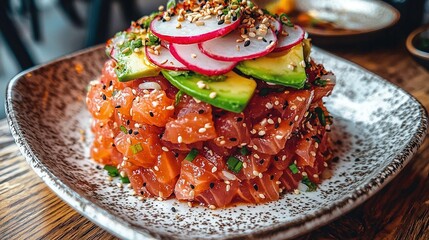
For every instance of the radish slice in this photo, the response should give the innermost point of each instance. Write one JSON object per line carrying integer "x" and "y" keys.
{"x": 227, "y": 49}
{"x": 277, "y": 26}
{"x": 191, "y": 56}
{"x": 188, "y": 32}
{"x": 165, "y": 60}
{"x": 295, "y": 36}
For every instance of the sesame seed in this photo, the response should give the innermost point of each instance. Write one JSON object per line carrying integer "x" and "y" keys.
{"x": 119, "y": 185}
{"x": 123, "y": 174}
{"x": 222, "y": 142}
{"x": 261, "y": 133}
{"x": 140, "y": 198}
{"x": 179, "y": 139}
{"x": 296, "y": 191}
{"x": 261, "y": 195}
{"x": 255, "y": 147}
{"x": 199, "y": 23}
{"x": 156, "y": 168}
{"x": 278, "y": 182}
{"x": 246, "y": 43}
{"x": 202, "y": 130}
{"x": 312, "y": 153}
{"x": 269, "y": 105}
{"x": 256, "y": 156}
{"x": 260, "y": 175}
{"x": 212, "y": 95}
{"x": 207, "y": 125}
{"x": 315, "y": 176}
{"x": 325, "y": 164}
{"x": 214, "y": 169}
{"x": 302, "y": 63}
{"x": 192, "y": 193}
{"x": 212, "y": 207}
{"x": 293, "y": 107}
{"x": 228, "y": 187}
{"x": 279, "y": 137}
{"x": 189, "y": 204}
{"x": 165, "y": 149}
{"x": 193, "y": 55}
{"x": 296, "y": 118}
{"x": 244, "y": 165}
{"x": 270, "y": 121}
{"x": 170, "y": 107}
{"x": 304, "y": 174}
{"x": 284, "y": 157}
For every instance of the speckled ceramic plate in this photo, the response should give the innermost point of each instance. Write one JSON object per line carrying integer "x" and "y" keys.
{"x": 378, "y": 127}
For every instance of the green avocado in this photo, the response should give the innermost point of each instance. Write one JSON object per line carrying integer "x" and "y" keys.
{"x": 231, "y": 92}
{"x": 284, "y": 68}
{"x": 135, "y": 65}
{"x": 127, "y": 48}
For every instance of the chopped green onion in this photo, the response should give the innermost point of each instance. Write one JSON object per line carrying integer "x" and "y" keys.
{"x": 238, "y": 167}
{"x": 311, "y": 185}
{"x": 234, "y": 164}
{"x": 171, "y": 4}
{"x": 124, "y": 129}
{"x": 191, "y": 155}
{"x": 293, "y": 168}
{"x": 111, "y": 170}
{"x": 152, "y": 40}
{"x": 244, "y": 151}
{"x": 321, "y": 115}
{"x": 320, "y": 82}
{"x": 285, "y": 20}
{"x": 136, "y": 148}
{"x": 179, "y": 96}
{"x": 125, "y": 180}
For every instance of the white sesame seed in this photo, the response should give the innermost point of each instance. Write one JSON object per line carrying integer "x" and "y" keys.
{"x": 170, "y": 107}
{"x": 256, "y": 173}
{"x": 192, "y": 193}
{"x": 179, "y": 139}
{"x": 165, "y": 149}
{"x": 212, "y": 95}
{"x": 189, "y": 204}
{"x": 296, "y": 118}
{"x": 228, "y": 187}
{"x": 261, "y": 195}
{"x": 140, "y": 198}
{"x": 291, "y": 67}
{"x": 312, "y": 153}
{"x": 222, "y": 142}
{"x": 269, "y": 105}
{"x": 302, "y": 63}
{"x": 256, "y": 156}
{"x": 255, "y": 147}
{"x": 325, "y": 164}
{"x": 156, "y": 168}
{"x": 202, "y": 130}
{"x": 278, "y": 182}
{"x": 261, "y": 133}
{"x": 123, "y": 174}
{"x": 315, "y": 176}
{"x": 260, "y": 175}
{"x": 283, "y": 157}
{"x": 212, "y": 207}
{"x": 270, "y": 121}
{"x": 119, "y": 185}
{"x": 296, "y": 191}
{"x": 214, "y": 169}
{"x": 193, "y": 55}
{"x": 279, "y": 137}
{"x": 109, "y": 178}
{"x": 208, "y": 125}
{"x": 160, "y": 198}
{"x": 244, "y": 165}
{"x": 293, "y": 107}
{"x": 304, "y": 174}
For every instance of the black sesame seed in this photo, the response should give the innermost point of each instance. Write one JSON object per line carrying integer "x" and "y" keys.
{"x": 271, "y": 41}
{"x": 285, "y": 104}
{"x": 130, "y": 131}
{"x": 173, "y": 209}
{"x": 211, "y": 185}
{"x": 103, "y": 96}
{"x": 192, "y": 186}
{"x": 239, "y": 119}
{"x": 261, "y": 161}
{"x": 98, "y": 167}
{"x": 113, "y": 145}
{"x": 118, "y": 106}
{"x": 276, "y": 158}
{"x": 290, "y": 123}
{"x": 255, "y": 187}
{"x": 128, "y": 122}
{"x": 151, "y": 114}
{"x": 233, "y": 139}
{"x": 136, "y": 133}
{"x": 263, "y": 39}
{"x": 176, "y": 154}
{"x": 307, "y": 139}
{"x": 234, "y": 18}
{"x": 220, "y": 22}
{"x": 276, "y": 125}
{"x": 271, "y": 177}
{"x": 110, "y": 83}
{"x": 141, "y": 192}
{"x": 104, "y": 87}
{"x": 201, "y": 111}
{"x": 247, "y": 43}
{"x": 144, "y": 184}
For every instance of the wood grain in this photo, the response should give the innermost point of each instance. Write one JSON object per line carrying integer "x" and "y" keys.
{"x": 30, "y": 210}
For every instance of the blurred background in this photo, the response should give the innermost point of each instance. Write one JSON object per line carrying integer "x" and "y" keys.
{"x": 37, "y": 31}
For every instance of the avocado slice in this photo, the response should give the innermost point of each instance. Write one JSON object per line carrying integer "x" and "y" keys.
{"x": 135, "y": 66}
{"x": 285, "y": 68}
{"x": 131, "y": 63}
{"x": 232, "y": 92}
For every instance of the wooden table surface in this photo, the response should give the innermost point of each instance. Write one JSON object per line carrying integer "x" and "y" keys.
{"x": 30, "y": 210}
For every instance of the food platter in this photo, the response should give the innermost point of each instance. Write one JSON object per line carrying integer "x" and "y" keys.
{"x": 378, "y": 127}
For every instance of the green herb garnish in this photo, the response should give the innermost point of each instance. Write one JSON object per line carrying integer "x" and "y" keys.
{"x": 285, "y": 20}
{"x": 244, "y": 151}
{"x": 321, "y": 115}
{"x": 171, "y": 4}
{"x": 320, "y": 82}
{"x": 234, "y": 164}
{"x": 125, "y": 180}
{"x": 152, "y": 40}
{"x": 191, "y": 155}
{"x": 136, "y": 148}
{"x": 293, "y": 168}
{"x": 123, "y": 129}
{"x": 311, "y": 185}
{"x": 179, "y": 96}
{"x": 111, "y": 170}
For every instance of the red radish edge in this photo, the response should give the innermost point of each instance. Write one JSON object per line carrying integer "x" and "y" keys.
{"x": 167, "y": 66}
{"x": 281, "y": 48}
{"x": 196, "y": 68}
{"x": 195, "y": 39}
{"x": 241, "y": 58}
